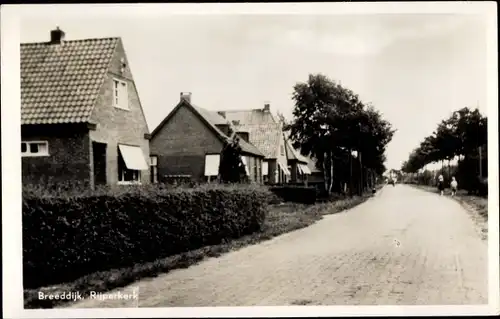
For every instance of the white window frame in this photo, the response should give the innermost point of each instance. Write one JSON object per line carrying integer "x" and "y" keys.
{"x": 134, "y": 182}
{"x": 28, "y": 152}
{"x": 121, "y": 177}
{"x": 265, "y": 163}
{"x": 205, "y": 164}
{"x": 117, "y": 100}
{"x": 246, "y": 163}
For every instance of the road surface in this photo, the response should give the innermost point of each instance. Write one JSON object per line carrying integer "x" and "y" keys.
{"x": 405, "y": 246}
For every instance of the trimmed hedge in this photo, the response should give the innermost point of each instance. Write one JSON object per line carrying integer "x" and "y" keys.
{"x": 296, "y": 194}
{"x": 66, "y": 237}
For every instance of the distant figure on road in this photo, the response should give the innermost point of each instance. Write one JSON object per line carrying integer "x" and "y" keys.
{"x": 441, "y": 184}
{"x": 454, "y": 186}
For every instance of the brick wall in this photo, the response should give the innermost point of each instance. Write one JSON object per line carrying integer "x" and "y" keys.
{"x": 181, "y": 145}
{"x": 68, "y": 159}
{"x": 117, "y": 126}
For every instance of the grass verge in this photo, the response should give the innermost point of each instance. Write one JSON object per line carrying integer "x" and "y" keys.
{"x": 476, "y": 206}
{"x": 282, "y": 218}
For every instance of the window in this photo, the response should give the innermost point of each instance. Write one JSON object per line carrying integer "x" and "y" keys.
{"x": 127, "y": 176}
{"x": 34, "y": 148}
{"x": 120, "y": 94}
{"x": 246, "y": 164}
{"x": 265, "y": 172}
{"x": 265, "y": 168}
{"x": 154, "y": 169}
{"x": 212, "y": 162}
{"x": 130, "y": 163}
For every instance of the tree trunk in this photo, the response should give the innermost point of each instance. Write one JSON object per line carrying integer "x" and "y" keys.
{"x": 361, "y": 179}
{"x": 350, "y": 174}
{"x": 449, "y": 169}
{"x": 325, "y": 172}
{"x": 480, "y": 162}
{"x": 331, "y": 173}
{"x": 371, "y": 178}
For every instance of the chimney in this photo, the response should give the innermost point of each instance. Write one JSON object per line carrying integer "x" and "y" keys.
{"x": 56, "y": 36}
{"x": 244, "y": 136}
{"x": 186, "y": 96}
{"x": 267, "y": 107}
{"x": 221, "y": 113}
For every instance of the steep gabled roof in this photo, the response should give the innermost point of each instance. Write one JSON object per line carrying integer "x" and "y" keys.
{"x": 291, "y": 153}
{"x": 264, "y": 132}
{"x": 60, "y": 82}
{"x": 210, "y": 119}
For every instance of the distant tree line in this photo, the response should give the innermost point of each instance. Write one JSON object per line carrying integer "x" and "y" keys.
{"x": 463, "y": 136}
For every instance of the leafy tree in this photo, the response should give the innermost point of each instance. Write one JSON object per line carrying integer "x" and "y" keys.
{"x": 330, "y": 123}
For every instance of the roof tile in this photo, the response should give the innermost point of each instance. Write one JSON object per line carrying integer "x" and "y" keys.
{"x": 213, "y": 118}
{"x": 59, "y": 82}
{"x": 264, "y": 132}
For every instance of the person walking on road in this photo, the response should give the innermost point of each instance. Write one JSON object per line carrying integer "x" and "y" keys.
{"x": 454, "y": 186}
{"x": 441, "y": 184}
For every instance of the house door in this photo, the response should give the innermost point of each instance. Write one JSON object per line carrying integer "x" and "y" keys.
{"x": 99, "y": 152}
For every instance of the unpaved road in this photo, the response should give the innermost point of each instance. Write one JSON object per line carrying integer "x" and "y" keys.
{"x": 403, "y": 247}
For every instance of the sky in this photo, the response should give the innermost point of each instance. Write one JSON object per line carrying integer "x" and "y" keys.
{"x": 414, "y": 68}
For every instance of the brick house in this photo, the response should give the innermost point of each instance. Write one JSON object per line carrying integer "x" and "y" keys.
{"x": 304, "y": 166}
{"x": 81, "y": 118}
{"x": 266, "y": 133}
{"x": 297, "y": 163}
{"x": 188, "y": 142}
{"x": 316, "y": 177}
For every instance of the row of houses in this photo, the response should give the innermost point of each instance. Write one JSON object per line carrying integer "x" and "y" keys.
{"x": 82, "y": 121}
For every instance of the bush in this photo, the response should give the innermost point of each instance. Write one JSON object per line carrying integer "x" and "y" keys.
{"x": 478, "y": 186}
{"x": 66, "y": 236}
{"x": 296, "y": 194}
